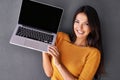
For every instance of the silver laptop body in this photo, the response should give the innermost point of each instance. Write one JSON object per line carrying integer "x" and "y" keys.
{"x": 37, "y": 25}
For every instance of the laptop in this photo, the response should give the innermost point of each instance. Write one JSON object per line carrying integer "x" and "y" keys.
{"x": 37, "y": 25}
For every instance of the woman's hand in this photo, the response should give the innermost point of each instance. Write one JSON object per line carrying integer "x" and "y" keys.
{"x": 53, "y": 51}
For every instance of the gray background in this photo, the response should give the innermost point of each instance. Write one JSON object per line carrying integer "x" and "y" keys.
{"x": 18, "y": 63}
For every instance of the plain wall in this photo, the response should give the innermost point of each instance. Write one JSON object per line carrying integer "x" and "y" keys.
{"x": 18, "y": 63}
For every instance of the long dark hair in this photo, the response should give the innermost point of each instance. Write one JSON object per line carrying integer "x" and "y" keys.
{"x": 94, "y": 37}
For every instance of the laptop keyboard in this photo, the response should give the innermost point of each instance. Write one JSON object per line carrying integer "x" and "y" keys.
{"x": 32, "y": 34}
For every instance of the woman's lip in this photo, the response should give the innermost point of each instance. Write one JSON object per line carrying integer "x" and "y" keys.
{"x": 80, "y": 32}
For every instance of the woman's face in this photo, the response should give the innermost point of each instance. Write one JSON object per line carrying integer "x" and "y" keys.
{"x": 81, "y": 26}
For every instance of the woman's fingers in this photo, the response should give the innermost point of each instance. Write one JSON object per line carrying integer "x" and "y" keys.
{"x": 53, "y": 51}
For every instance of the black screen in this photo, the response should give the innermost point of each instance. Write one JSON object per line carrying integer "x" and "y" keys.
{"x": 40, "y": 16}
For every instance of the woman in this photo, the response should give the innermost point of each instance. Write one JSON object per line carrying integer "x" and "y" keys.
{"x": 78, "y": 56}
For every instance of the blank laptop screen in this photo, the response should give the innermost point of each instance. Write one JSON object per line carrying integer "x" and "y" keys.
{"x": 40, "y": 16}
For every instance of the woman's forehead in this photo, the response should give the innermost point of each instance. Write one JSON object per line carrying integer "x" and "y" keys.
{"x": 81, "y": 17}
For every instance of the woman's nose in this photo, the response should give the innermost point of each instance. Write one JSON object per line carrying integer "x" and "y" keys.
{"x": 80, "y": 26}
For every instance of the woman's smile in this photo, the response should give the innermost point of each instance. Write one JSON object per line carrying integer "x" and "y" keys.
{"x": 81, "y": 26}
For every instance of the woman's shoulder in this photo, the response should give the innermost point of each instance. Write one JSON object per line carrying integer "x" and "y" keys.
{"x": 63, "y": 35}
{"x": 94, "y": 51}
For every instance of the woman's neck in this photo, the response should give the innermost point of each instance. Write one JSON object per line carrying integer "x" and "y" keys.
{"x": 81, "y": 42}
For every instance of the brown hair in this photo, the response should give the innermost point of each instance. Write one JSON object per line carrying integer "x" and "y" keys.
{"x": 94, "y": 37}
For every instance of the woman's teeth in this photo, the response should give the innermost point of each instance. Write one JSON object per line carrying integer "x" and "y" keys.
{"x": 80, "y": 32}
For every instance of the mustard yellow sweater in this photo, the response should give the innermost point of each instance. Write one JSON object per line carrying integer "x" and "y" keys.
{"x": 82, "y": 62}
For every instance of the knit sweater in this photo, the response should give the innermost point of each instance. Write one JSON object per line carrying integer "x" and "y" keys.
{"x": 82, "y": 62}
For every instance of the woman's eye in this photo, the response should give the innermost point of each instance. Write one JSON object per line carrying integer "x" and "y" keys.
{"x": 76, "y": 21}
{"x": 87, "y": 24}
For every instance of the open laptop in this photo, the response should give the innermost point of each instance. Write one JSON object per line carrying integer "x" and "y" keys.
{"x": 37, "y": 25}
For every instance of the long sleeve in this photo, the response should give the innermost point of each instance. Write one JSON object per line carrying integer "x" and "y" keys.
{"x": 60, "y": 37}
{"x": 90, "y": 66}
{"x": 81, "y": 62}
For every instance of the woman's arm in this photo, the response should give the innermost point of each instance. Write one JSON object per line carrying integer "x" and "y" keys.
{"x": 88, "y": 71}
{"x": 65, "y": 73}
{"x": 91, "y": 66}
{"x": 56, "y": 58}
{"x": 47, "y": 64}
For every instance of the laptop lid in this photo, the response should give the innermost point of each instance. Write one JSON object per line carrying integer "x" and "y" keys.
{"x": 40, "y": 16}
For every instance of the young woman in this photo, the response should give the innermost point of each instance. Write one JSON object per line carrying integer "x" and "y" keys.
{"x": 77, "y": 56}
